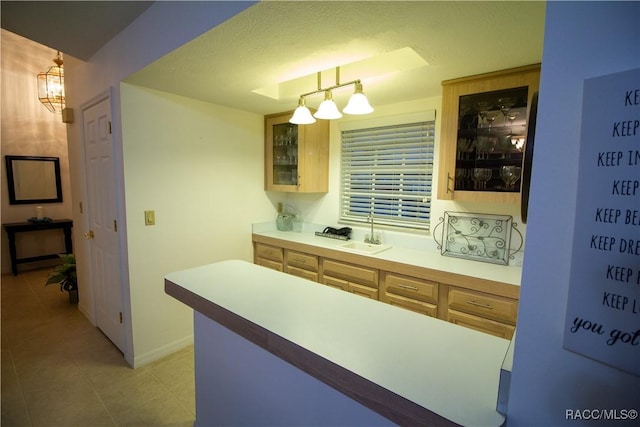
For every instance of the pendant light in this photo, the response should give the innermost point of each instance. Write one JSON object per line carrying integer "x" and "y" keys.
{"x": 302, "y": 115}
{"x": 328, "y": 109}
{"x": 358, "y": 103}
{"x": 51, "y": 86}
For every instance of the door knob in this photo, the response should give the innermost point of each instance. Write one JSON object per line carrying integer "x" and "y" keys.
{"x": 88, "y": 234}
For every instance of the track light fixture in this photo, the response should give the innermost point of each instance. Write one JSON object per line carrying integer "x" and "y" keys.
{"x": 328, "y": 110}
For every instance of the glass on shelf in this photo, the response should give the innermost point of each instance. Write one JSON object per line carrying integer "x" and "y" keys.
{"x": 491, "y": 134}
{"x": 285, "y": 154}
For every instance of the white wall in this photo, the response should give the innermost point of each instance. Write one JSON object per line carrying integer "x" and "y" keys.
{"x": 582, "y": 40}
{"x": 200, "y": 167}
{"x": 160, "y": 29}
{"x": 29, "y": 129}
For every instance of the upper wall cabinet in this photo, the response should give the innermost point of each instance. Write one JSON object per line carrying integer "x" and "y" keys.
{"x": 484, "y": 129}
{"x": 296, "y": 156}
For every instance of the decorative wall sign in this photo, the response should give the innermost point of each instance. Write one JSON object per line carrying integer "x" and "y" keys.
{"x": 478, "y": 237}
{"x": 603, "y": 308}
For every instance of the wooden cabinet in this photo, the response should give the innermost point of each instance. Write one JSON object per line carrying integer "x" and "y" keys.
{"x": 486, "y": 306}
{"x": 412, "y": 293}
{"x": 359, "y": 280}
{"x": 302, "y": 265}
{"x": 484, "y": 126}
{"x": 296, "y": 156}
{"x": 268, "y": 256}
{"x": 482, "y": 311}
{"x": 481, "y": 324}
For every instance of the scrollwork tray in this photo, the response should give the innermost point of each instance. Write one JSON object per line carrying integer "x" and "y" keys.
{"x": 479, "y": 237}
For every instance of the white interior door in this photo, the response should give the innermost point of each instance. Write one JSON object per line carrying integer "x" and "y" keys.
{"x": 101, "y": 209}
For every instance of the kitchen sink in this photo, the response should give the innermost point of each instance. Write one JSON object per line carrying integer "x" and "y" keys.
{"x": 364, "y": 248}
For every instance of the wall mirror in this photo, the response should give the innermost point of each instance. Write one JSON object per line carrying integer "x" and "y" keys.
{"x": 33, "y": 179}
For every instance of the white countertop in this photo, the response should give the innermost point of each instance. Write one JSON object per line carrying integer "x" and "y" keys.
{"x": 447, "y": 369}
{"x": 426, "y": 258}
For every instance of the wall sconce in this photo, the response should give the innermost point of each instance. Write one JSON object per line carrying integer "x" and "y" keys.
{"x": 51, "y": 86}
{"x": 328, "y": 110}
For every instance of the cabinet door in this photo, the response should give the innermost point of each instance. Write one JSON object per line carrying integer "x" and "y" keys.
{"x": 274, "y": 265}
{"x": 300, "y": 272}
{"x": 336, "y": 283}
{"x": 296, "y": 156}
{"x": 363, "y": 291}
{"x": 269, "y": 252}
{"x": 484, "y": 124}
{"x": 410, "y": 304}
{"x": 481, "y": 324}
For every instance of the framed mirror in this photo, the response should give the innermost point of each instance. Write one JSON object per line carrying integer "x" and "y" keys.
{"x": 33, "y": 179}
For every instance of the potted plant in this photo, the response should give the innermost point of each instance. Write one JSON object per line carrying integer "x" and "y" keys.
{"x": 65, "y": 275}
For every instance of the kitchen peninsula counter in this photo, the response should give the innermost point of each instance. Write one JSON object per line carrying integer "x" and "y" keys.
{"x": 349, "y": 360}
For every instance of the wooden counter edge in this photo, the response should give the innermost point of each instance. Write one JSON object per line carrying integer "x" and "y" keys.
{"x": 380, "y": 400}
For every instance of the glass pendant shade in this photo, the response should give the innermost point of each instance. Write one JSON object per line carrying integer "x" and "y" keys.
{"x": 358, "y": 103}
{"x": 328, "y": 109}
{"x": 51, "y": 87}
{"x": 302, "y": 115}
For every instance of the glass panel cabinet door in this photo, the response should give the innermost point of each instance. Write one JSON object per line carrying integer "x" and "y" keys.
{"x": 296, "y": 156}
{"x": 483, "y": 135}
{"x": 492, "y": 129}
{"x": 285, "y": 154}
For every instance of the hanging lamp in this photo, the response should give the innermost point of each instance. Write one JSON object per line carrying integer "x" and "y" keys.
{"x": 302, "y": 115}
{"x": 51, "y": 86}
{"x": 358, "y": 103}
{"x": 328, "y": 110}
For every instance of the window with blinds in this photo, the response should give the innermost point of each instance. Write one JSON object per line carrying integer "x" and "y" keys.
{"x": 386, "y": 172}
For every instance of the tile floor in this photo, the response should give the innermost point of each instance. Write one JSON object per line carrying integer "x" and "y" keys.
{"x": 58, "y": 370}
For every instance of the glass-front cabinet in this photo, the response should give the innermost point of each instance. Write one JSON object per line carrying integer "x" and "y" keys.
{"x": 484, "y": 130}
{"x": 296, "y": 156}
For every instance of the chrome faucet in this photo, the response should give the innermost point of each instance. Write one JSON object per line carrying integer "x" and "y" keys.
{"x": 372, "y": 238}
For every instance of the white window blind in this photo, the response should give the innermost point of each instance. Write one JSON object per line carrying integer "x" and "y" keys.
{"x": 386, "y": 172}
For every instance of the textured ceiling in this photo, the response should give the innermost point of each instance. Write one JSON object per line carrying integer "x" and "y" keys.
{"x": 274, "y": 42}
{"x": 279, "y": 46}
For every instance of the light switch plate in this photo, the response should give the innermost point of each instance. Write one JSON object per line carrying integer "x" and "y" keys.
{"x": 149, "y": 217}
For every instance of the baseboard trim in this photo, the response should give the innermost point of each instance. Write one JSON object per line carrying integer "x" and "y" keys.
{"x": 159, "y": 353}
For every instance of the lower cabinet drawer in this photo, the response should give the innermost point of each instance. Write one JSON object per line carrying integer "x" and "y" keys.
{"x": 269, "y": 252}
{"x": 481, "y": 324}
{"x": 410, "y": 287}
{"x": 269, "y": 264}
{"x": 410, "y": 304}
{"x": 302, "y": 260}
{"x": 300, "y": 272}
{"x": 351, "y": 273}
{"x": 483, "y": 305}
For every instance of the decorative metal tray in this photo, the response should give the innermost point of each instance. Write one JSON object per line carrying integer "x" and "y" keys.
{"x": 479, "y": 237}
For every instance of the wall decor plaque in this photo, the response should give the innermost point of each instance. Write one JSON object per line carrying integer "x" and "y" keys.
{"x": 478, "y": 237}
{"x": 603, "y": 307}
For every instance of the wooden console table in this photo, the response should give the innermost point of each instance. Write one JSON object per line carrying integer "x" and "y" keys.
{"x": 23, "y": 227}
